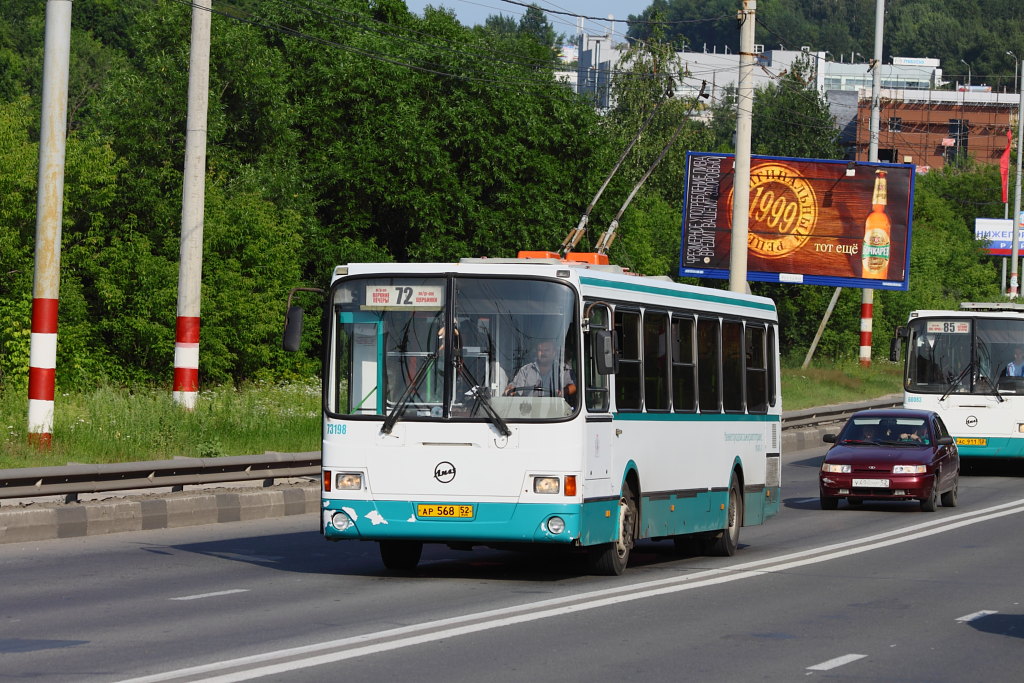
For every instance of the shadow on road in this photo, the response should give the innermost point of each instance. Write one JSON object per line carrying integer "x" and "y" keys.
{"x": 307, "y": 553}
{"x": 1000, "y": 624}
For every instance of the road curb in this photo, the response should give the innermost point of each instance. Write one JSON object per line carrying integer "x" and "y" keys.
{"x": 48, "y": 520}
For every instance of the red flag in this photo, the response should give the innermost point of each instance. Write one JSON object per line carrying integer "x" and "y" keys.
{"x": 1004, "y": 162}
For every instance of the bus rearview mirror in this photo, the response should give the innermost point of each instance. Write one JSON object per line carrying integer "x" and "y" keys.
{"x": 605, "y": 358}
{"x": 292, "y": 329}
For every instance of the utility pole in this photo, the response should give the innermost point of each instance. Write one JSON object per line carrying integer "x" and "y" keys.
{"x": 49, "y": 216}
{"x": 1016, "y": 194}
{"x": 867, "y": 301}
{"x": 193, "y": 194}
{"x": 741, "y": 177}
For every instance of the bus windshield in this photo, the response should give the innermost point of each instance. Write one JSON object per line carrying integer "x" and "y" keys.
{"x": 964, "y": 356}
{"x": 453, "y": 348}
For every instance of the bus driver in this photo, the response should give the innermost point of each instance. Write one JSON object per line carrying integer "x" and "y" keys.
{"x": 538, "y": 378}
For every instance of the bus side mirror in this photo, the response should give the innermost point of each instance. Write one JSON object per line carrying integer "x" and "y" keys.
{"x": 894, "y": 345}
{"x": 605, "y": 359}
{"x": 292, "y": 329}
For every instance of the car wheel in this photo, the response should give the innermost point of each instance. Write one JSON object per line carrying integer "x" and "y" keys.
{"x": 610, "y": 559}
{"x": 401, "y": 555}
{"x": 829, "y": 503}
{"x": 724, "y": 543}
{"x": 930, "y": 503}
{"x": 949, "y": 498}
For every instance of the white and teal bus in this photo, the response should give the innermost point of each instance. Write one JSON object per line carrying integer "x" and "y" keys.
{"x": 961, "y": 365}
{"x": 511, "y": 402}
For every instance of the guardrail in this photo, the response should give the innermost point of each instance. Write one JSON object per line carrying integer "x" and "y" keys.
{"x": 73, "y": 480}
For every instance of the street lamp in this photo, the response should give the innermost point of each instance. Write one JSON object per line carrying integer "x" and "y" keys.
{"x": 968, "y": 73}
{"x": 1015, "y": 62}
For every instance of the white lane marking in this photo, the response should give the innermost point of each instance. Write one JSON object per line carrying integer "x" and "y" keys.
{"x": 281, "y": 661}
{"x": 976, "y": 615}
{"x": 835, "y": 663}
{"x": 211, "y": 595}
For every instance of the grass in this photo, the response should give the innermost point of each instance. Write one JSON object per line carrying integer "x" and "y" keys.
{"x": 822, "y": 386}
{"x": 110, "y": 424}
{"x": 119, "y": 425}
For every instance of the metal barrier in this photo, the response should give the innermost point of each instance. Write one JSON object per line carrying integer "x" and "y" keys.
{"x": 72, "y": 480}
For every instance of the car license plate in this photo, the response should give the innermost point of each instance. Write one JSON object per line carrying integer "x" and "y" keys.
{"x": 445, "y": 511}
{"x": 966, "y": 441}
{"x": 871, "y": 483}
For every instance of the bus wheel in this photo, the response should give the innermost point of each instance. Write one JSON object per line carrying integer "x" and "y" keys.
{"x": 724, "y": 543}
{"x": 610, "y": 559}
{"x": 400, "y": 555}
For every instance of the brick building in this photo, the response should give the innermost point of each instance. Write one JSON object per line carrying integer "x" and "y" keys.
{"x": 932, "y": 127}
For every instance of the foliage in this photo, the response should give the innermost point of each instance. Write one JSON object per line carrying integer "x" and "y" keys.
{"x": 353, "y": 130}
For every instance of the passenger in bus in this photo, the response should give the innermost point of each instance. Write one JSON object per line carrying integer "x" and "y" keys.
{"x": 539, "y": 378}
{"x": 1015, "y": 368}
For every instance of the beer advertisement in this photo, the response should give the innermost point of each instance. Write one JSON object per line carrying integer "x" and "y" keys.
{"x": 811, "y": 221}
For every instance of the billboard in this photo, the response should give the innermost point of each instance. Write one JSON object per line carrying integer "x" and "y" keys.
{"x": 812, "y": 221}
{"x": 997, "y": 233}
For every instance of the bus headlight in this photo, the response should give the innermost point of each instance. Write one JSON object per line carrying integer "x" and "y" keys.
{"x": 349, "y": 481}
{"x": 556, "y": 525}
{"x": 838, "y": 469}
{"x": 545, "y": 485}
{"x": 341, "y": 521}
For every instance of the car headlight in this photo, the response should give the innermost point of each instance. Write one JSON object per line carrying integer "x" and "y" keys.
{"x": 546, "y": 484}
{"x": 836, "y": 469}
{"x": 909, "y": 469}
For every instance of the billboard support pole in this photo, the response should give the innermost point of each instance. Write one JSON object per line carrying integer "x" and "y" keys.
{"x": 821, "y": 327}
{"x": 867, "y": 302}
{"x": 741, "y": 181}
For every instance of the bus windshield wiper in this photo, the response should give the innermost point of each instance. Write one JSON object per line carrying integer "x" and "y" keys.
{"x": 482, "y": 394}
{"x": 955, "y": 382}
{"x": 392, "y": 418}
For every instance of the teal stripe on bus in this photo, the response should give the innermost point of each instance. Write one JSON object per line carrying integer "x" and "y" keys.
{"x": 649, "y": 289}
{"x": 995, "y": 447}
{"x": 695, "y": 417}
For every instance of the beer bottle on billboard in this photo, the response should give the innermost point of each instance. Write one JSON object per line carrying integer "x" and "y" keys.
{"x": 877, "y": 229}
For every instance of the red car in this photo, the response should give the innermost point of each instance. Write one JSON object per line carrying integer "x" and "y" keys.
{"x": 891, "y": 455}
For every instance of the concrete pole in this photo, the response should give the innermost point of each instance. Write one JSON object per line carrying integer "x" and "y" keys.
{"x": 741, "y": 178}
{"x": 190, "y": 269}
{"x": 1016, "y": 194}
{"x": 867, "y": 301}
{"x": 49, "y": 215}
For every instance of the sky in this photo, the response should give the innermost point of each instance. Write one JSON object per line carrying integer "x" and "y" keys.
{"x": 472, "y": 12}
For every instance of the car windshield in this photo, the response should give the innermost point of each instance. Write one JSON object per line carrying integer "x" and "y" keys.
{"x": 901, "y": 431}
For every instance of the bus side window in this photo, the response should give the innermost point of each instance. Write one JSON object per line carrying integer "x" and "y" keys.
{"x": 757, "y": 370}
{"x": 732, "y": 366}
{"x": 628, "y": 386}
{"x": 597, "y": 394}
{"x": 709, "y": 365}
{"x": 656, "y": 366}
{"x": 684, "y": 380}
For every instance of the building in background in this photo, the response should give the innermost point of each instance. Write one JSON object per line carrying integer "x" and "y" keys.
{"x": 919, "y": 123}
